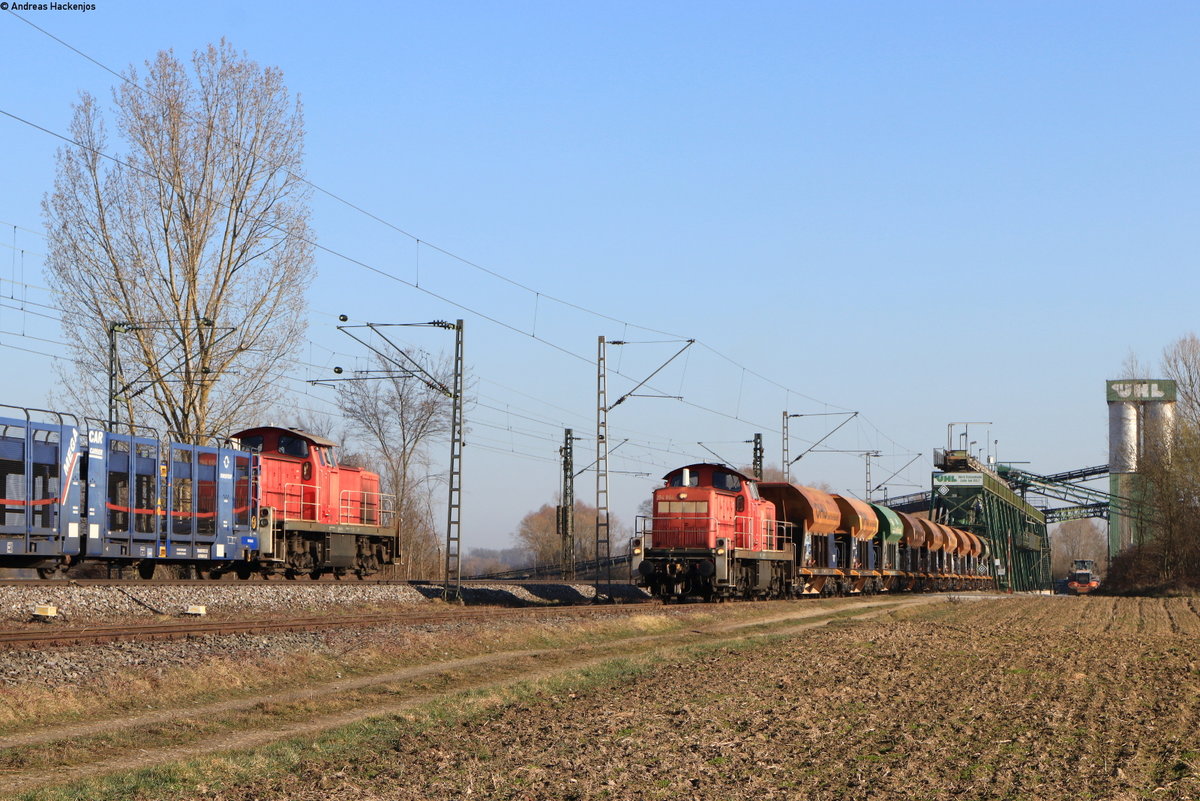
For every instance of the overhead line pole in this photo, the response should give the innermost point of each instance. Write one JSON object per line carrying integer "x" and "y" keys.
{"x": 566, "y": 520}
{"x": 452, "y": 591}
{"x": 603, "y": 545}
{"x": 787, "y": 463}
{"x": 452, "y": 568}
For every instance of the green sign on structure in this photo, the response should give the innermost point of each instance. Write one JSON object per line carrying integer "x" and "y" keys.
{"x": 1140, "y": 389}
{"x": 959, "y": 479}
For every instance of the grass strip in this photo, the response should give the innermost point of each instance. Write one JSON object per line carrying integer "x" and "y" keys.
{"x": 185, "y": 779}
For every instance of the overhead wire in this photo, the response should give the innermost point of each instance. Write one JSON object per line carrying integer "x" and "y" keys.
{"x": 385, "y": 274}
{"x": 538, "y": 294}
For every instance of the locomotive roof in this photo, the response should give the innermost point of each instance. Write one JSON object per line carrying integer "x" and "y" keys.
{"x": 724, "y": 467}
{"x": 313, "y": 438}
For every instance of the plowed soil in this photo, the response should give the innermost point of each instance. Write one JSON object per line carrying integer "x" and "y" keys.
{"x": 1036, "y": 698}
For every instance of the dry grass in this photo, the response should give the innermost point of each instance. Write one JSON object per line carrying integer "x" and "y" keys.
{"x": 1017, "y": 699}
{"x": 594, "y": 641}
{"x": 243, "y": 674}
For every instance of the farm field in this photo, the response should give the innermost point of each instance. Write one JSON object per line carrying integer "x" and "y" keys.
{"x": 996, "y": 698}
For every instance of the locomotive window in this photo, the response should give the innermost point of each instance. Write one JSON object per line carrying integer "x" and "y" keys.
{"x": 253, "y": 443}
{"x": 293, "y": 446}
{"x": 677, "y": 480}
{"x": 683, "y": 507}
{"x": 753, "y": 491}
{"x": 726, "y": 481}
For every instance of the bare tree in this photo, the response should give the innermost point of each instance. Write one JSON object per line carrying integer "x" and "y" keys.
{"x": 1077, "y": 539}
{"x": 188, "y": 253}
{"x": 400, "y": 418}
{"x": 1181, "y": 364}
{"x": 771, "y": 473}
{"x": 537, "y": 533}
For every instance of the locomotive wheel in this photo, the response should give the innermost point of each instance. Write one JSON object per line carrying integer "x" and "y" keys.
{"x": 50, "y": 573}
{"x": 145, "y": 569}
{"x": 244, "y": 571}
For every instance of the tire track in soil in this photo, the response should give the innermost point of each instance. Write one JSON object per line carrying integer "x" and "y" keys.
{"x": 1104, "y": 709}
{"x": 1175, "y": 627}
{"x": 245, "y": 739}
{"x": 1158, "y": 619}
{"x": 1111, "y": 622}
{"x": 1186, "y": 614}
{"x": 1111, "y": 707}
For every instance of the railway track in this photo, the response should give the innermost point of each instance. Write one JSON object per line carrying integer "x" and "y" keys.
{"x": 131, "y": 583}
{"x": 175, "y": 630}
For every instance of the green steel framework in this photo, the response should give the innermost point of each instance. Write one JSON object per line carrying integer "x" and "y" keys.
{"x": 1014, "y": 531}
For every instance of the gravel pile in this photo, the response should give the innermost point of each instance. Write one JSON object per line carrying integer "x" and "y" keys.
{"x": 75, "y": 666}
{"x": 79, "y": 665}
{"x": 93, "y": 603}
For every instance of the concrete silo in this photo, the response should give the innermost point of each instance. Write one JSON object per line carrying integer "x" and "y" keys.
{"x": 1141, "y": 421}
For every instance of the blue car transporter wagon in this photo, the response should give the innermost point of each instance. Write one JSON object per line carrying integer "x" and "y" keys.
{"x": 74, "y": 492}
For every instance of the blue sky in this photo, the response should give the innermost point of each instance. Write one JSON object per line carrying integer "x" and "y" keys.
{"x": 925, "y": 212}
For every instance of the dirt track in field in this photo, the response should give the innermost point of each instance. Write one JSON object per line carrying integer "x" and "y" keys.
{"x": 1039, "y": 698}
{"x": 486, "y": 670}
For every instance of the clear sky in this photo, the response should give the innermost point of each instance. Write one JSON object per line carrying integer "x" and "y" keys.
{"x": 926, "y": 212}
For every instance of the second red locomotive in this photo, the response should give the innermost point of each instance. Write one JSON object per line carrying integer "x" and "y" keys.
{"x": 315, "y": 514}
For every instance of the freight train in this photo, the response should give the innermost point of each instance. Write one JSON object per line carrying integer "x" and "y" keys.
{"x": 268, "y": 501}
{"x": 715, "y": 533}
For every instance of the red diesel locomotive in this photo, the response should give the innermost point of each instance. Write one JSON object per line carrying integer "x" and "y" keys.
{"x": 315, "y": 515}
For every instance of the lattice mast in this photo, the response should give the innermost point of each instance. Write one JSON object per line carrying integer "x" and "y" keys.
{"x": 566, "y": 511}
{"x": 603, "y": 563}
{"x": 453, "y": 582}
